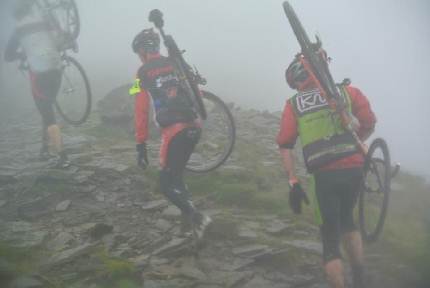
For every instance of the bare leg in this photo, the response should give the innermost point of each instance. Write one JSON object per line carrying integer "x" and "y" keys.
{"x": 354, "y": 247}
{"x": 334, "y": 273}
{"x": 55, "y": 140}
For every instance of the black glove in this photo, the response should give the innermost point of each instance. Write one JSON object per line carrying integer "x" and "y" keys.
{"x": 142, "y": 155}
{"x": 297, "y": 195}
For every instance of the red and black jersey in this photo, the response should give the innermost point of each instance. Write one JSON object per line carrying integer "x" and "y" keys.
{"x": 170, "y": 102}
{"x": 158, "y": 80}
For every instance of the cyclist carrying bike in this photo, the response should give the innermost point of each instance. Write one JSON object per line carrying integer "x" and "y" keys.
{"x": 177, "y": 119}
{"x": 331, "y": 156}
{"x": 34, "y": 41}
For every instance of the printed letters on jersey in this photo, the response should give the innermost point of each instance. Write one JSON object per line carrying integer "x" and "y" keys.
{"x": 310, "y": 101}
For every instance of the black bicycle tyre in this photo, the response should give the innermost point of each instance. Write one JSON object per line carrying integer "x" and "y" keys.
{"x": 88, "y": 95}
{"x": 371, "y": 236}
{"x": 71, "y": 8}
{"x": 232, "y": 136}
{"x": 319, "y": 66}
{"x": 77, "y": 30}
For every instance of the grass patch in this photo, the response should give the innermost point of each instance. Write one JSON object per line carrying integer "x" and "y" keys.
{"x": 16, "y": 262}
{"x": 406, "y": 233}
{"x": 241, "y": 189}
{"x": 116, "y": 272}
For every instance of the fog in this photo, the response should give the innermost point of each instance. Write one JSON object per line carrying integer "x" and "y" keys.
{"x": 242, "y": 47}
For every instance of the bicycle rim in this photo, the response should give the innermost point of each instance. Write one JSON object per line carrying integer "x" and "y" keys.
{"x": 374, "y": 196}
{"x": 218, "y": 136}
{"x": 66, "y": 15}
{"x": 74, "y": 97}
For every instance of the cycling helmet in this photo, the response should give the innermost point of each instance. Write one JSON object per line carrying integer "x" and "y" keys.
{"x": 148, "y": 40}
{"x": 296, "y": 73}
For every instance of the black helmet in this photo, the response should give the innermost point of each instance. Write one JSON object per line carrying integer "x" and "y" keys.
{"x": 148, "y": 40}
{"x": 295, "y": 73}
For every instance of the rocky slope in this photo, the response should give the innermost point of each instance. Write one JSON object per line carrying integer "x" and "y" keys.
{"x": 103, "y": 222}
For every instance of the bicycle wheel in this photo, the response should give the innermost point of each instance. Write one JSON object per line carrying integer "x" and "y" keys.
{"x": 65, "y": 15}
{"x": 218, "y": 136}
{"x": 74, "y": 97}
{"x": 374, "y": 196}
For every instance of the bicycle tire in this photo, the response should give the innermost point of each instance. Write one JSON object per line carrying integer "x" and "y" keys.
{"x": 70, "y": 29}
{"x": 71, "y": 62}
{"x": 319, "y": 65}
{"x": 77, "y": 30}
{"x": 196, "y": 166}
{"x": 372, "y": 234}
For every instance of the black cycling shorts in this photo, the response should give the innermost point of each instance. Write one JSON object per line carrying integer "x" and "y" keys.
{"x": 337, "y": 192}
{"x": 47, "y": 85}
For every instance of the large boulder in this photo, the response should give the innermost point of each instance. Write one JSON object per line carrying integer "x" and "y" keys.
{"x": 117, "y": 107}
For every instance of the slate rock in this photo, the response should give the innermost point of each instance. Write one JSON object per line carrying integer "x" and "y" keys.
{"x": 63, "y": 206}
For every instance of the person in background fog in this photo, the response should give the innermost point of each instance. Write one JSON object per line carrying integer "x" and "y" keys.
{"x": 34, "y": 41}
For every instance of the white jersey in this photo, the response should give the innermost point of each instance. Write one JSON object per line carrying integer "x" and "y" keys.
{"x": 38, "y": 42}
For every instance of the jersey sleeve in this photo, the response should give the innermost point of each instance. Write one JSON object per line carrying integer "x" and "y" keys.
{"x": 141, "y": 112}
{"x": 362, "y": 111}
{"x": 11, "y": 51}
{"x": 141, "y": 109}
{"x": 288, "y": 133}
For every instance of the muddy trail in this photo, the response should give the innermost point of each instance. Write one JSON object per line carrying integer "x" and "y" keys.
{"x": 103, "y": 223}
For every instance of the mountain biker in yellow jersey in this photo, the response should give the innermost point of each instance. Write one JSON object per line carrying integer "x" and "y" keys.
{"x": 331, "y": 155}
{"x": 33, "y": 41}
{"x": 157, "y": 79}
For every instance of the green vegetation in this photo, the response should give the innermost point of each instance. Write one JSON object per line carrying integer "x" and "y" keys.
{"x": 407, "y": 228}
{"x": 115, "y": 272}
{"x": 21, "y": 260}
{"x": 16, "y": 262}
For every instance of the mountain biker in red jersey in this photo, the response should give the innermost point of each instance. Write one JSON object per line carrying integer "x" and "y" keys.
{"x": 34, "y": 41}
{"x": 157, "y": 79}
{"x": 332, "y": 157}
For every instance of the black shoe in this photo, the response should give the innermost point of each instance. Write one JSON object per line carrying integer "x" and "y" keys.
{"x": 44, "y": 154}
{"x": 62, "y": 161}
{"x": 186, "y": 224}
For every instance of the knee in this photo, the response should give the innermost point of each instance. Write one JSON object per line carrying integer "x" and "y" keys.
{"x": 347, "y": 224}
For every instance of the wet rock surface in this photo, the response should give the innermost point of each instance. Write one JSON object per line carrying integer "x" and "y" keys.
{"x": 104, "y": 203}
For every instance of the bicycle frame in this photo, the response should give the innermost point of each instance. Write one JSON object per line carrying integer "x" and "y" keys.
{"x": 188, "y": 77}
{"x": 316, "y": 65}
{"x": 66, "y": 43}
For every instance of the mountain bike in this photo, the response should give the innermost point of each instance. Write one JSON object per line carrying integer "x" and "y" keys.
{"x": 63, "y": 15}
{"x": 219, "y": 130}
{"x": 378, "y": 172}
{"x": 74, "y": 98}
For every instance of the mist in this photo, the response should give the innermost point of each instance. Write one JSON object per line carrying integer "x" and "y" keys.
{"x": 242, "y": 47}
